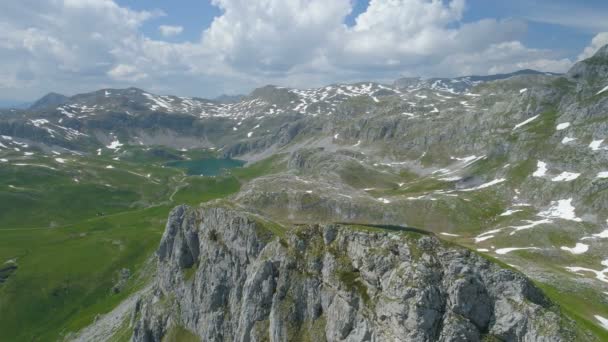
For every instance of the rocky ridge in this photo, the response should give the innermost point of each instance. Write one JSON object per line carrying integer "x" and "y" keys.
{"x": 227, "y": 275}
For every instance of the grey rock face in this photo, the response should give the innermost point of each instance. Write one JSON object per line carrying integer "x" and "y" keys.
{"x": 225, "y": 275}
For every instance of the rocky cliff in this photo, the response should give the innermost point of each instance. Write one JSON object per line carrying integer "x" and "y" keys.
{"x": 226, "y": 275}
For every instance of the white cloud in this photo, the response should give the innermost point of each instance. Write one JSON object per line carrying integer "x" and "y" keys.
{"x": 502, "y": 58}
{"x": 125, "y": 72}
{"x": 274, "y": 35}
{"x": 298, "y": 43}
{"x": 170, "y": 31}
{"x": 579, "y": 15}
{"x": 65, "y": 46}
{"x": 597, "y": 42}
{"x": 77, "y": 45}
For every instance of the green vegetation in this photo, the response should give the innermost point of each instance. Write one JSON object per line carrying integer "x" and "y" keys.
{"x": 124, "y": 332}
{"x": 578, "y": 306}
{"x": 269, "y": 229}
{"x": 314, "y": 331}
{"x": 190, "y": 271}
{"x": 351, "y": 280}
{"x": 109, "y": 220}
{"x": 203, "y": 189}
{"x": 361, "y": 177}
{"x": 177, "y": 333}
{"x": 66, "y": 275}
{"x": 267, "y": 166}
{"x": 520, "y": 171}
{"x": 544, "y": 126}
{"x": 51, "y": 194}
{"x": 425, "y": 185}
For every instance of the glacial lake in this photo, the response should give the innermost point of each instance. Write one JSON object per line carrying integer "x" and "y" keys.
{"x": 206, "y": 166}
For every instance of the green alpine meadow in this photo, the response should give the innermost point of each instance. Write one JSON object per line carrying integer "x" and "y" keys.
{"x": 421, "y": 170}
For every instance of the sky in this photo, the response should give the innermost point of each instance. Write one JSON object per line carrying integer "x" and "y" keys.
{"x": 206, "y": 48}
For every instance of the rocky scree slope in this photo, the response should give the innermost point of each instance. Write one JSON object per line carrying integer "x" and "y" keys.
{"x": 226, "y": 275}
{"x": 515, "y": 167}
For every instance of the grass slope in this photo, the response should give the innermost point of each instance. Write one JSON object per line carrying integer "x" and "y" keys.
{"x": 65, "y": 274}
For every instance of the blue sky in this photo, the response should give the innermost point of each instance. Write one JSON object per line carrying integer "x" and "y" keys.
{"x": 209, "y": 47}
{"x": 196, "y": 15}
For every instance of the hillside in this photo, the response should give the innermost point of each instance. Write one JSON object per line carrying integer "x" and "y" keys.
{"x": 505, "y": 177}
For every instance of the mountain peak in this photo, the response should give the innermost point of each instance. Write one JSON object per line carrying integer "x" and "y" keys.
{"x": 593, "y": 69}
{"x": 50, "y": 99}
{"x": 602, "y": 52}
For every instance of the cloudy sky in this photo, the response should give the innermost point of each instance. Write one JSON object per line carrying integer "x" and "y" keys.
{"x": 210, "y": 47}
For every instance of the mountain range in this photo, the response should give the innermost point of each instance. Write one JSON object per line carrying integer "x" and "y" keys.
{"x": 443, "y": 209}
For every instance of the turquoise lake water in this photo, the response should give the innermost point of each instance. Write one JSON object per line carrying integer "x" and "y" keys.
{"x": 207, "y": 166}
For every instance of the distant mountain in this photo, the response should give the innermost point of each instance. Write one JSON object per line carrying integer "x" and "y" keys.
{"x": 459, "y": 85}
{"x": 229, "y": 98}
{"x": 49, "y": 100}
{"x": 14, "y": 105}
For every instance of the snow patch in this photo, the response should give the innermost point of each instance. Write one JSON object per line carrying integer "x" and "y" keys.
{"x": 109, "y": 167}
{"x": 603, "y": 321}
{"x": 603, "y": 90}
{"x": 595, "y": 144}
{"x": 567, "y": 140}
{"x": 601, "y": 235}
{"x": 599, "y": 275}
{"x": 525, "y": 122}
{"x": 510, "y": 212}
{"x": 521, "y": 91}
{"x": 115, "y": 145}
{"x": 562, "y": 209}
{"x": 487, "y": 235}
{"x": 562, "y": 126}
{"x": 486, "y": 185}
{"x": 512, "y": 249}
{"x": 566, "y": 177}
{"x": 603, "y": 174}
{"x": 541, "y": 169}
{"x": 60, "y": 160}
{"x": 449, "y": 234}
{"x": 466, "y": 159}
{"x": 580, "y": 248}
{"x": 39, "y": 122}
{"x": 384, "y": 200}
{"x": 36, "y": 165}
{"x": 158, "y": 102}
{"x": 483, "y": 238}
{"x": 451, "y": 179}
{"x": 530, "y": 225}
{"x": 249, "y": 134}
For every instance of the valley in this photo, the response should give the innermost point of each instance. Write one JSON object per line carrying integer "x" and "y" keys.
{"x": 71, "y": 225}
{"x": 510, "y": 170}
